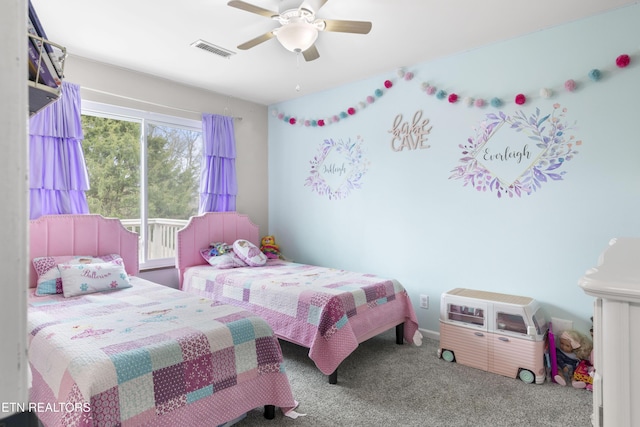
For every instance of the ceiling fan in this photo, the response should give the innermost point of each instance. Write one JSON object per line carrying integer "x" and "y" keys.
{"x": 299, "y": 26}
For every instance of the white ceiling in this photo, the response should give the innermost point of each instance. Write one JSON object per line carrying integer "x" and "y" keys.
{"x": 154, "y": 37}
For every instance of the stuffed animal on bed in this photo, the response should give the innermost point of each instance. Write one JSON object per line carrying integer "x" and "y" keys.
{"x": 218, "y": 248}
{"x": 269, "y": 247}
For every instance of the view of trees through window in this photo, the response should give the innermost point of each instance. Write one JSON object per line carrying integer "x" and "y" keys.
{"x": 161, "y": 167}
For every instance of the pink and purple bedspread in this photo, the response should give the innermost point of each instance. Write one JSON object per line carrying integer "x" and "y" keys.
{"x": 327, "y": 310}
{"x": 150, "y": 355}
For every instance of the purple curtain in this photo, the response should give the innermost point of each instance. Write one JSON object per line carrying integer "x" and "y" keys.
{"x": 218, "y": 183}
{"x": 57, "y": 171}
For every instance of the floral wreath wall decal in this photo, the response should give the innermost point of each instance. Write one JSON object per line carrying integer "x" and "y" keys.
{"x": 517, "y": 165}
{"x": 338, "y": 168}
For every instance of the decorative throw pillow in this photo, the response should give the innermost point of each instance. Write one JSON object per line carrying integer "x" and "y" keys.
{"x": 49, "y": 279}
{"x": 226, "y": 260}
{"x": 79, "y": 279}
{"x": 249, "y": 253}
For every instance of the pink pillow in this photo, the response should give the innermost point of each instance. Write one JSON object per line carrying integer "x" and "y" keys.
{"x": 226, "y": 260}
{"x": 249, "y": 253}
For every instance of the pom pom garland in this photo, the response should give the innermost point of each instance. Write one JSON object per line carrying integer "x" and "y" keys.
{"x": 623, "y": 60}
{"x": 570, "y": 85}
{"x": 546, "y": 93}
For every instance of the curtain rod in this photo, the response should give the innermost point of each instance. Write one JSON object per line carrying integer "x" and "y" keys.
{"x": 148, "y": 102}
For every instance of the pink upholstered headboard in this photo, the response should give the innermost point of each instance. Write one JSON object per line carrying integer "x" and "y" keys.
{"x": 211, "y": 227}
{"x": 90, "y": 234}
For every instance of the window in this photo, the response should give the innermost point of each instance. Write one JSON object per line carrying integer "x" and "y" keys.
{"x": 143, "y": 168}
{"x": 462, "y": 313}
{"x": 511, "y": 322}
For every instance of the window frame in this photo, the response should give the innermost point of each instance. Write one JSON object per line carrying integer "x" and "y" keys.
{"x": 144, "y": 118}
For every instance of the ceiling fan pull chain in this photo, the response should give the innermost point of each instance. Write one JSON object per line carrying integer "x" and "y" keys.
{"x": 298, "y": 54}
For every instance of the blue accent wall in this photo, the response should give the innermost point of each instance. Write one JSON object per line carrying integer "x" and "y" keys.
{"x": 409, "y": 220}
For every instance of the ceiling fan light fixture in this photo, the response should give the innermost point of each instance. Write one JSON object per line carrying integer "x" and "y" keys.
{"x": 297, "y": 36}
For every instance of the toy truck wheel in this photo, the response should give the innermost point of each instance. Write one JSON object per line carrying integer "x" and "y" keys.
{"x": 526, "y": 376}
{"x": 448, "y": 355}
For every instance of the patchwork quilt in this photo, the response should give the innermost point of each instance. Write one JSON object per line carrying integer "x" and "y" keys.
{"x": 327, "y": 310}
{"x": 150, "y": 355}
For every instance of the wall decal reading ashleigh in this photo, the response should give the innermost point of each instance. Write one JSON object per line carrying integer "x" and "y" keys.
{"x": 411, "y": 136}
{"x": 338, "y": 168}
{"x": 506, "y": 163}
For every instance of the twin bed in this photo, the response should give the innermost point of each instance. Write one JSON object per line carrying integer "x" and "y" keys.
{"x": 130, "y": 352}
{"x": 108, "y": 348}
{"x": 329, "y": 311}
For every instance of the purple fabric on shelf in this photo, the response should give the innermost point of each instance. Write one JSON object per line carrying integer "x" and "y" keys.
{"x": 218, "y": 183}
{"x": 57, "y": 170}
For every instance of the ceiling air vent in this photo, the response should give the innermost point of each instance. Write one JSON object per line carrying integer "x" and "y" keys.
{"x": 217, "y": 50}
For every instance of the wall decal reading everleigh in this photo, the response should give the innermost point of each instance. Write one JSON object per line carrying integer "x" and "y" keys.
{"x": 504, "y": 162}
{"x": 338, "y": 168}
{"x": 412, "y": 135}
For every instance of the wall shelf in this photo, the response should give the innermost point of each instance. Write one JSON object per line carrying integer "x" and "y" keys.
{"x": 46, "y": 70}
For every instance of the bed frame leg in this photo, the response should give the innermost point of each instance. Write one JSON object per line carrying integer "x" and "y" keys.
{"x": 269, "y": 412}
{"x": 400, "y": 334}
{"x": 333, "y": 377}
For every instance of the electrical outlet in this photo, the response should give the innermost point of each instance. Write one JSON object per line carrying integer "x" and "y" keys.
{"x": 560, "y": 325}
{"x": 424, "y": 301}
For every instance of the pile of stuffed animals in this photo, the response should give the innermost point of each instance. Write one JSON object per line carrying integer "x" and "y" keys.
{"x": 574, "y": 355}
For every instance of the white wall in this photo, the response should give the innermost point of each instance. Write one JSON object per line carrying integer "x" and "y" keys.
{"x": 411, "y": 222}
{"x": 13, "y": 210}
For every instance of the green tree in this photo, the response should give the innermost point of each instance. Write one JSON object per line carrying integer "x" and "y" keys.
{"x": 173, "y": 169}
{"x": 112, "y": 153}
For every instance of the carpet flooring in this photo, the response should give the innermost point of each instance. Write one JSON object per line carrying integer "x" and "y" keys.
{"x": 385, "y": 384}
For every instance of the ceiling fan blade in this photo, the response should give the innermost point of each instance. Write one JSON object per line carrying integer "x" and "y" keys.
{"x": 311, "y": 53}
{"x": 320, "y": 4}
{"x": 336, "y": 25}
{"x": 256, "y": 41}
{"x": 238, "y": 4}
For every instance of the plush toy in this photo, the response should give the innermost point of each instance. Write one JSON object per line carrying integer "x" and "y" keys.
{"x": 585, "y": 370}
{"x": 573, "y": 347}
{"x": 218, "y": 248}
{"x": 269, "y": 248}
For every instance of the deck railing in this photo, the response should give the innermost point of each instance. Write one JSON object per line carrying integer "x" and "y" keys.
{"x": 161, "y": 235}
